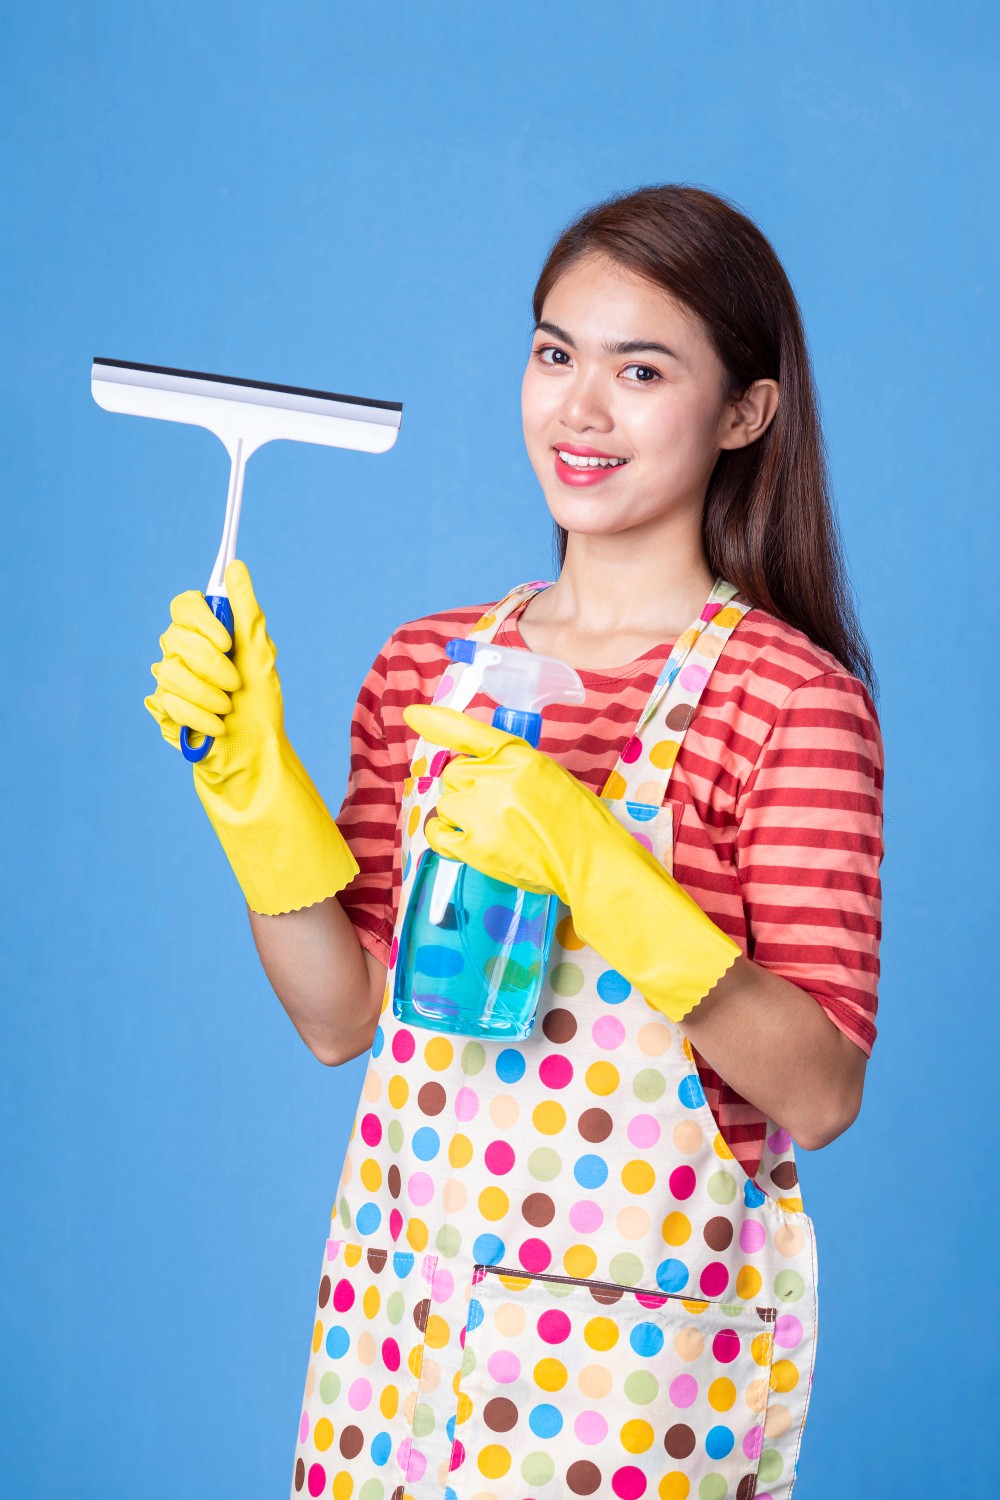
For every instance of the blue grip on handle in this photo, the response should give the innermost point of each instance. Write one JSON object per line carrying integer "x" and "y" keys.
{"x": 223, "y": 611}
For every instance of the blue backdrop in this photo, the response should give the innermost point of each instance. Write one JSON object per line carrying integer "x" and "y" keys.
{"x": 359, "y": 198}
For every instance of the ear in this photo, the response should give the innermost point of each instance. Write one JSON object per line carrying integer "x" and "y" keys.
{"x": 748, "y": 417}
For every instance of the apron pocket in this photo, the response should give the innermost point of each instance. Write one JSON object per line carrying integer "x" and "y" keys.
{"x": 588, "y": 1389}
{"x": 367, "y": 1352}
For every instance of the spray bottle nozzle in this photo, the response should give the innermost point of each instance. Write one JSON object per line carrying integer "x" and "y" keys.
{"x": 522, "y": 683}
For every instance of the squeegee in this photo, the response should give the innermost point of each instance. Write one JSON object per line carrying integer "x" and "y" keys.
{"x": 244, "y": 414}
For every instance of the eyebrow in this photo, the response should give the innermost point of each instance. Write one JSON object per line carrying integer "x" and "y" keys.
{"x": 620, "y": 346}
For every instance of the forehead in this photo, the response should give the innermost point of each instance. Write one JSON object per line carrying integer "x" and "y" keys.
{"x": 596, "y": 299}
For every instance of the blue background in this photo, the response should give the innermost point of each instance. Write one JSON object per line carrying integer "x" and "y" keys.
{"x": 359, "y": 198}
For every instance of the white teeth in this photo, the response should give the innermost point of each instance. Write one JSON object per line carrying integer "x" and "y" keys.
{"x": 576, "y": 461}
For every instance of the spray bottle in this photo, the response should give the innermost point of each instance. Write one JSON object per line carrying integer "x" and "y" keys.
{"x": 473, "y": 950}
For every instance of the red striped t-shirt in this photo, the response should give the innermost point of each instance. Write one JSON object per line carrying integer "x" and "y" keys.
{"x": 778, "y": 806}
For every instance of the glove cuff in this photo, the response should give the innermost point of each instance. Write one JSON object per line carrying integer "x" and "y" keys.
{"x": 285, "y": 849}
{"x": 707, "y": 956}
{"x": 287, "y": 868}
{"x": 656, "y": 936}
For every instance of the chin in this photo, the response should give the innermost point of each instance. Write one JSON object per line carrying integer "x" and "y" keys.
{"x": 592, "y": 521}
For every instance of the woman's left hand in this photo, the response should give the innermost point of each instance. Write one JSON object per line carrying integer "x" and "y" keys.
{"x": 519, "y": 816}
{"x": 503, "y": 803}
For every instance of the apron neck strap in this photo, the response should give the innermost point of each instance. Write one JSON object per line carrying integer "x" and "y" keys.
{"x": 460, "y": 682}
{"x": 487, "y": 625}
{"x": 647, "y": 759}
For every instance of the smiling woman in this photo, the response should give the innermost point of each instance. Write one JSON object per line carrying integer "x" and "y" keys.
{"x": 580, "y": 1264}
{"x": 619, "y": 1245}
{"x": 703, "y": 289}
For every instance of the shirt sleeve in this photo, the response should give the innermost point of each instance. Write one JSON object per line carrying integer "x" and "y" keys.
{"x": 369, "y": 814}
{"x": 810, "y": 846}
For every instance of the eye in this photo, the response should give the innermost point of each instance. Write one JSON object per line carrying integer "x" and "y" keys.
{"x": 649, "y": 371}
{"x": 549, "y": 349}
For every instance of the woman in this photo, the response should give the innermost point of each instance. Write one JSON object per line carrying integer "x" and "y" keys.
{"x": 579, "y": 1264}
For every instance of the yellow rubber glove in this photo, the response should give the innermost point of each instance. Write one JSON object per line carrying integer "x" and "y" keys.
{"x": 517, "y": 815}
{"x": 285, "y": 849}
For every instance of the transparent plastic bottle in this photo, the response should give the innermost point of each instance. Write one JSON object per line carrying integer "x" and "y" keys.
{"x": 473, "y": 950}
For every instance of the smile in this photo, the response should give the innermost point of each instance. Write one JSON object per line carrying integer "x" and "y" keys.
{"x": 578, "y": 469}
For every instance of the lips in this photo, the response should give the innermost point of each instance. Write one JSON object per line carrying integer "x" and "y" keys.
{"x": 580, "y": 478}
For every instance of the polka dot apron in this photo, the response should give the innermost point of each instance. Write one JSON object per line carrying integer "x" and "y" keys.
{"x": 547, "y": 1275}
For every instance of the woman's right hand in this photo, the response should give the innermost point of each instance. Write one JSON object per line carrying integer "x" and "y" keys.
{"x": 195, "y": 675}
{"x": 234, "y": 697}
{"x": 278, "y": 835}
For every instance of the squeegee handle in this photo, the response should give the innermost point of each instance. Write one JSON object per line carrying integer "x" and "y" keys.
{"x": 223, "y": 611}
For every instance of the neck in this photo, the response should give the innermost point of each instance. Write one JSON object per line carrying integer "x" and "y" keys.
{"x": 610, "y": 584}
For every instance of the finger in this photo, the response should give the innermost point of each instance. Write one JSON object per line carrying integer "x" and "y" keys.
{"x": 457, "y": 731}
{"x": 168, "y": 728}
{"x": 201, "y": 656}
{"x": 174, "y": 677}
{"x": 253, "y": 644}
{"x": 191, "y": 609}
{"x": 460, "y": 774}
{"x": 443, "y": 839}
{"x": 447, "y": 810}
{"x": 189, "y": 714}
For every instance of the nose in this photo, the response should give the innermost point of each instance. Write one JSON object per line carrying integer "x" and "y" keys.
{"x": 585, "y": 405}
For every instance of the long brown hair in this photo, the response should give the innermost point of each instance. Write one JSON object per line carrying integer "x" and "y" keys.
{"x": 768, "y": 525}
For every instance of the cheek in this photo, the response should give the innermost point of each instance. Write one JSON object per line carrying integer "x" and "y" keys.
{"x": 677, "y": 432}
{"x": 538, "y": 401}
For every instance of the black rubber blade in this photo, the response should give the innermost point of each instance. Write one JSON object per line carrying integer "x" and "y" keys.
{"x": 260, "y": 385}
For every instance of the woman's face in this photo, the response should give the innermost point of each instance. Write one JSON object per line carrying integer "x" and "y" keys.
{"x": 663, "y": 412}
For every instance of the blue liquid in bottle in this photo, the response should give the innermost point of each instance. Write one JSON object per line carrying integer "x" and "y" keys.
{"x": 472, "y": 952}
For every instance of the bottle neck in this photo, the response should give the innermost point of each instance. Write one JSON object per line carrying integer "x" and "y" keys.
{"x": 519, "y": 721}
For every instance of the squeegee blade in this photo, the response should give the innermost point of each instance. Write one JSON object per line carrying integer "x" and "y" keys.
{"x": 257, "y": 411}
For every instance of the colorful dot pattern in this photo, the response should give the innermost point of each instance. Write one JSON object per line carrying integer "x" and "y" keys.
{"x": 606, "y": 1387}
{"x": 596, "y": 1299}
{"x": 361, "y": 1390}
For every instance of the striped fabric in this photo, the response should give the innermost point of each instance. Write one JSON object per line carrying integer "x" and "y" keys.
{"x": 777, "y": 796}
